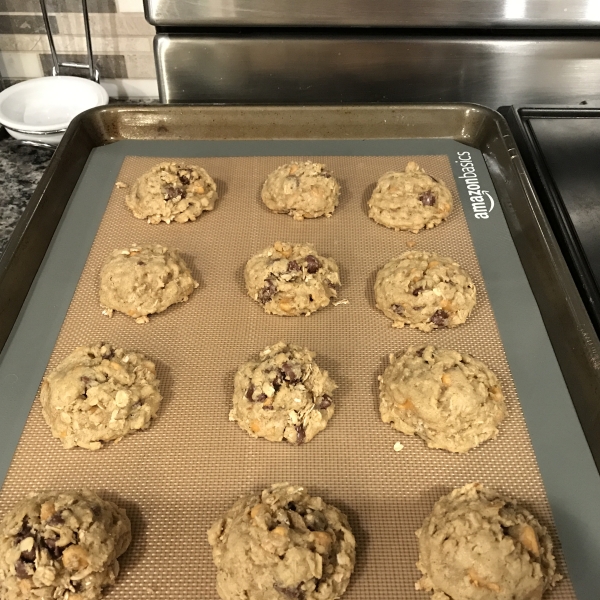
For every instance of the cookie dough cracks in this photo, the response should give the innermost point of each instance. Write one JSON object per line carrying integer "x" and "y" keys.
{"x": 410, "y": 200}
{"x": 283, "y": 396}
{"x": 424, "y": 291}
{"x": 291, "y": 279}
{"x": 479, "y": 545}
{"x": 61, "y": 545}
{"x": 99, "y": 393}
{"x": 143, "y": 280}
{"x": 172, "y": 192}
{"x": 282, "y": 544}
{"x": 303, "y": 190}
{"x": 449, "y": 399}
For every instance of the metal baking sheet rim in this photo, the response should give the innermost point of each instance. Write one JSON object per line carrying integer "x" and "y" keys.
{"x": 489, "y": 133}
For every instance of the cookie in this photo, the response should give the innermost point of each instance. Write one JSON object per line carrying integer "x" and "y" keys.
{"x": 283, "y": 395}
{"x": 409, "y": 200}
{"x": 172, "y": 192}
{"x": 143, "y": 280}
{"x": 424, "y": 291}
{"x": 448, "y": 398}
{"x": 98, "y": 394}
{"x": 282, "y": 544}
{"x": 61, "y": 545}
{"x": 479, "y": 545}
{"x": 304, "y": 190}
{"x": 291, "y": 279}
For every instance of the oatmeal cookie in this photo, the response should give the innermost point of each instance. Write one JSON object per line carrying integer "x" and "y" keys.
{"x": 284, "y": 395}
{"x": 291, "y": 279}
{"x": 448, "y": 398}
{"x": 98, "y": 394}
{"x": 61, "y": 545}
{"x": 172, "y": 192}
{"x": 479, "y": 545}
{"x": 304, "y": 190}
{"x": 410, "y": 200}
{"x": 282, "y": 544}
{"x": 424, "y": 291}
{"x": 144, "y": 279}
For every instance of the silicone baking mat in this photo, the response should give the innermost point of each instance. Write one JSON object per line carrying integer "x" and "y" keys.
{"x": 179, "y": 476}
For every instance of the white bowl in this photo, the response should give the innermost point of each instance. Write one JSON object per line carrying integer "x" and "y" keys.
{"x": 40, "y": 110}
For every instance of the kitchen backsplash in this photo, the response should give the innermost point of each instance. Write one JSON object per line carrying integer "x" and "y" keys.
{"x": 121, "y": 40}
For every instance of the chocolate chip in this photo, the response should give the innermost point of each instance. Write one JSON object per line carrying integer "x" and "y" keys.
{"x": 249, "y": 393}
{"x": 301, "y": 433}
{"x": 268, "y": 407}
{"x": 24, "y": 531}
{"x": 268, "y": 291}
{"x": 172, "y": 192}
{"x": 56, "y": 519}
{"x": 50, "y": 545}
{"x": 419, "y": 353}
{"x": 289, "y": 592}
{"x": 439, "y": 317}
{"x": 312, "y": 264}
{"x": 260, "y": 398}
{"x": 21, "y": 569}
{"x": 417, "y": 291}
{"x": 28, "y": 555}
{"x": 290, "y": 374}
{"x": 141, "y": 263}
{"x": 291, "y": 506}
{"x": 326, "y": 174}
{"x": 184, "y": 178}
{"x": 427, "y": 198}
{"x": 325, "y": 402}
{"x": 279, "y": 377}
{"x": 293, "y": 266}
{"x": 316, "y": 521}
{"x": 397, "y": 308}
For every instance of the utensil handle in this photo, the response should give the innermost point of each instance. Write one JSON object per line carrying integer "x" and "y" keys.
{"x": 93, "y": 72}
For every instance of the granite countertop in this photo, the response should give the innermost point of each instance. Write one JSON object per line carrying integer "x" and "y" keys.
{"x": 21, "y": 167}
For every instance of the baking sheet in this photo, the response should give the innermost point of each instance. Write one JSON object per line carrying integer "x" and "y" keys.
{"x": 181, "y": 474}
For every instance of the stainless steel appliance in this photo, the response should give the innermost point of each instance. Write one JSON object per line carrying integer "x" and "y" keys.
{"x": 495, "y": 52}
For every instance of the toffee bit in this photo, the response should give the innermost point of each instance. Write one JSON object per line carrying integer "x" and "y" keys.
{"x": 301, "y": 433}
{"x": 398, "y": 309}
{"x": 56, "y": 519}
{"x": 439, "y": 318}
{"x": 107, "y": 352}
{"x": 427, "y": 198}
{"x": 312, "y": 264}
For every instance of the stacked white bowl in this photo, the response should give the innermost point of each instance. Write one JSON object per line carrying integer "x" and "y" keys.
{"x": 40, "y": 110}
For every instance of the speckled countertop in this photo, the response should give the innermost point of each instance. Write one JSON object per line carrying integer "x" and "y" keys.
{"x": 21, "y": 167}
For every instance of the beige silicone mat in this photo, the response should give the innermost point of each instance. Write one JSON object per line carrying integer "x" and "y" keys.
{"x": 176, "y": 478}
